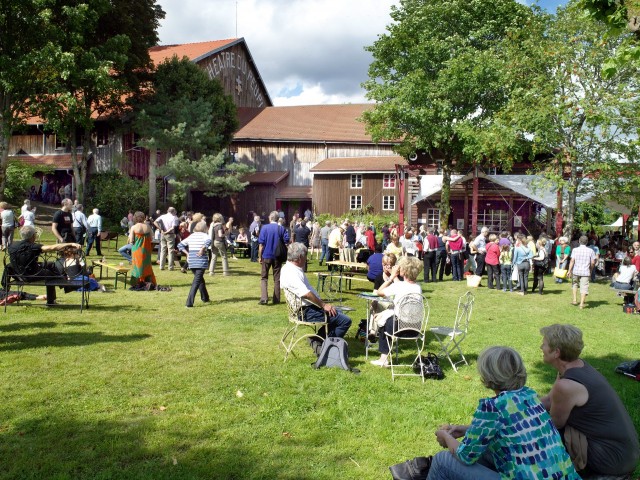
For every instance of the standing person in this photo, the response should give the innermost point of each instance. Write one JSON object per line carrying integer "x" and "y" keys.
{"x": 140, "y": 236}
{"x": 540, "y": 264}
{"x": 167, "y": 224}
{"x": 479, "y": 245}
{"x": 510, "y": 435}
{"x": 386, "y": 236}
{"x": 505, "y": 266}
{"x": 585, "y": 408}
{"x": 394, "y": 246}
{"x": 29, "y": 216}
{"x": 302, "y": 233}
{"x": 582, "y": 262}
{"x": 315, "y": 240}
{"x": 371, "y": 238}
{"x": 219, "y": 244}
{"x": 350, "y": 234}
{"x": 44, "y": 196}
{"x": 254, "y": 231}
{"x": 195, "y": 246}
{"x": 563, "y": 251}
{"x": 62, "y": 223}
{"x": 455, "y": 242}
{"x": 521, "y": 257}
{"x": 335, "y": 243}
{"x": 324, "y": 241}
{"x": 441, "y": 255}
{"x": 430, "y": 250}
{"x": 270, "y": 235}
{"x": 8, "y": 224}
{"x": 492, "y": 260}
{"x": 95, "y": 229}
{"x": 80, "y": 225}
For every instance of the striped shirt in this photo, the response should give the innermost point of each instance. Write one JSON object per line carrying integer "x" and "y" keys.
{"x": 193, "y": 244}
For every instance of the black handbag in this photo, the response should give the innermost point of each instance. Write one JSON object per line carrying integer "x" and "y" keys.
{"x": 280, "y": 252}
{"x": 430, "y": 366}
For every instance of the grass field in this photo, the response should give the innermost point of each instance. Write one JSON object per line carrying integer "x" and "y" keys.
{"x": 140, "y": 387}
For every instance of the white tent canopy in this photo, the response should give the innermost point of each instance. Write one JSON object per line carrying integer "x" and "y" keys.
{"x": 618, "y": 223}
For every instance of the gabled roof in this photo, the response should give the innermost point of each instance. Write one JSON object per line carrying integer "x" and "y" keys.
{"x": 193, "y": 51}
{"x": 60, "y": 161}
{"x": 359, "y": 164}
{"x": 308, "y": 123}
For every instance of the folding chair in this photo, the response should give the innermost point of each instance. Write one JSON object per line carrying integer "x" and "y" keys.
{"x": 296, "y": 319}
{"x": 450, "y": 338}
{"x": 410, "y": 323}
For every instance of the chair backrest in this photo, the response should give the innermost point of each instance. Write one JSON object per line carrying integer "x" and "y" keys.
{"x": 412, "y": 313}
{"x": 294, "y": 306}
{"x": 348, "y": 255}
{"x": 465, "y": 307}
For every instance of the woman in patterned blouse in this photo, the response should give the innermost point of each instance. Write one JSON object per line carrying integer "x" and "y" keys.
{"x": 510, "y": 436}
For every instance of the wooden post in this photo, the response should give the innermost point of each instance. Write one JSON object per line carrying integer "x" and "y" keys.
{"x": 474, "y": 203}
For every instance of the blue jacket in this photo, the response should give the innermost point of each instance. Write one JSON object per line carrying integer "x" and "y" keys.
{"x": 269, "y": 235}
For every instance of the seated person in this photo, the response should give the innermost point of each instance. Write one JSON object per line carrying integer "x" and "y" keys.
{"x": 70, "y": 266}
{"x": 293, "y": 278}
{"x": 24, "y": 258}
{"x": 510, "y": 435}
{"x": 625, "y": 278}
{"x": 388, "y": 262}
{"x": 362, "y": 253}
{"x": 409, "y": 267}
{"x": 374, "y": 264}
{"x": 595, "y": 425}
{"x": 125, "y": 251}
{"x": 242, "y": 240}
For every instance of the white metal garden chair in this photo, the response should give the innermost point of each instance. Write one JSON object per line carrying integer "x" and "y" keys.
{"x": 450, "y": 338}
{"x": 296, "y": 319}
{"x": 410, "y": 323}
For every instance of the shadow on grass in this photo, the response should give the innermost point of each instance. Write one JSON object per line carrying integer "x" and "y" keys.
{"x": 64, "y": 447}
{"x": 14, "y": 327}
{"x": 59, "y": 339}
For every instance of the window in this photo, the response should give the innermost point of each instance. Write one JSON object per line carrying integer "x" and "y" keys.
{"x": 495, "y": 220}
{"x": 439, "y": 166}
{"x": 356, "y": 181}
{"x": 433, "y": 218}
{"x": 60, "y": 144}
{"x": 355, "y": 202}
{"x": 388, "y": 180}
{"x": 388, "y": 202}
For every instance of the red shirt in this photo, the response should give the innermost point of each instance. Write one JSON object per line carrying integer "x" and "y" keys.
{"x": 636, "y": 261}
{"x": 493, "y": 254}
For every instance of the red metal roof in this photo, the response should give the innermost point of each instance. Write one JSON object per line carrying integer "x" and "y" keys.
{"x": 193, "y": 51}
{"x": 317, "y": 123}
{"x": 359, "y": 164}
{"x": 60, "y": 161}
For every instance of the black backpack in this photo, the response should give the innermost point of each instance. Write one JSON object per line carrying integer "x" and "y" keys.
{"x": 334, "y": 353}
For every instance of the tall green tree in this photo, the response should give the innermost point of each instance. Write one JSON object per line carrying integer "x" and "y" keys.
{"x": 436, "y": 78}
{"x": 571, "y": 109}
{"x": 108, "y": 41}
{"x": 188, "y": 116}
{"x": 29, "y": 59}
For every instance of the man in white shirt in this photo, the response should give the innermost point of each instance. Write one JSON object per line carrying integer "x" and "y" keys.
{"x": 167, "y": 224}
{"x": 479, "y": 246}
{"x": 292, "y": 277}
{"x": 95, "y": 229}
{"x": 582, "y": 262}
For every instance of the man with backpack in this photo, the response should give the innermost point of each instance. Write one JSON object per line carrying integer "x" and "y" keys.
{"x": 294, "y": 279}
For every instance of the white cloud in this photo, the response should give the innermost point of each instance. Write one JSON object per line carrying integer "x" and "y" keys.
{"x": 307, "y": 51}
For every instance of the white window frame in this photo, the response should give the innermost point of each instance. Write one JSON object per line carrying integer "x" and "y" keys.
{"x": 388, "y": 180}
{"x": 356, "y": 180}
{"x": 433, "y": 218}
{"x": 388, "y": 201}
{"x": 355, "y": 202}
{"x": 495, "y": 220}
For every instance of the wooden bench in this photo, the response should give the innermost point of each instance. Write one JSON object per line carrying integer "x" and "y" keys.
{"x": 120, "y": 270}
{"x": 241, "y": 250}
{"x": 106, "y": 237}
{"x": 49, "y": 270}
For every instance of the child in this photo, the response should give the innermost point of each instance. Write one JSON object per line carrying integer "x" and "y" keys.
{"x": 505, "y": 267}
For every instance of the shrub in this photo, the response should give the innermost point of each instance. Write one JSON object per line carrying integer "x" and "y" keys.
{"x": 115, "y": 193}
{"x": 20, "y": 177}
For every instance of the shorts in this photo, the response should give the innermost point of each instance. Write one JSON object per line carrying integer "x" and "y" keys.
{"x": 583, "y": 282}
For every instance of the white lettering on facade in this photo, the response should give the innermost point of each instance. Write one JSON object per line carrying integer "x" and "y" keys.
{"x": 216, "y": 66}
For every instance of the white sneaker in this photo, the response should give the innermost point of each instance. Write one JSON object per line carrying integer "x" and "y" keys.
{"x": 380, "y": 363}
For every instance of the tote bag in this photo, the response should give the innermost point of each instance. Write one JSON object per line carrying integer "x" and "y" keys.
{"x": 560, "y": 272}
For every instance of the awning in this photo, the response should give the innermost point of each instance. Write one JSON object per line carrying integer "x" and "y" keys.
{"x": 529, "y": 186}
{"x": 294, "y": 193}
{"x": 58, "y": 162}
{"x": 266, "y": 178}
{"x": 618, "y": 223}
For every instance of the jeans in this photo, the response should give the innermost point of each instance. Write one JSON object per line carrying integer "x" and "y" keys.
{"x": 456, "y": 267}
{"x": 338, "y": 324}
{"x": 93, "y": 237}
{"x": 505, "y": 270}
{"x": 79, "y": 234}
{"x": 430, "y": 265}
{"x": 125, "y": 251}
{"x": 523, "y": 275}
{"x": 493, "y": 275}
{"x": 446, "y": 466}
{"x": 198, "y": 285}
{"x": 441, "y": 262}
{"x": 325, "y": 250}
{"x": 254, "y": 250}
{"x": 268, "y": 264}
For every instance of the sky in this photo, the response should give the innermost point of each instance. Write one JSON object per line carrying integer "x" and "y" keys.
{"x": 308, "y": 52}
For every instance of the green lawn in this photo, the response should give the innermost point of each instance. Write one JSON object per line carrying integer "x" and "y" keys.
{"x": 140, "y": 387}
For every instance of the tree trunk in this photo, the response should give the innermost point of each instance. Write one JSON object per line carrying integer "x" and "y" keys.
{"x": 4, "y": 158}
{"x": 445, "y": 194}
{"x": 153, "y": 166}
{"x": 73, "y": 143}
{"x": 572, "y": 193}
